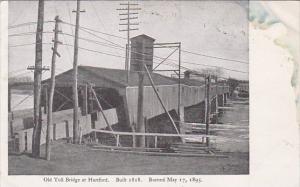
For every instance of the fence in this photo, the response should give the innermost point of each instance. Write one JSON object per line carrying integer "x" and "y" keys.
{"x": 154, "y": 135}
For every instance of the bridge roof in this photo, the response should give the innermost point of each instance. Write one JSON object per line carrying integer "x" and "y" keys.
{"x": 103, "y": 77}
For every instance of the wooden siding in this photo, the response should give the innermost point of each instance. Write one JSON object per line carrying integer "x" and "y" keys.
{"x": 190, "y": 95}
{"x": 60, "y": 129}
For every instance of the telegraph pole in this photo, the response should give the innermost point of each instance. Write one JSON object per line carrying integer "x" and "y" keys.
{"x": 75, "y": 75}
{"x": 36, "y": 135}
{"x": 140, "y": 110}
{"x": 52, "y": 86}
{"x": 128, "y": 12}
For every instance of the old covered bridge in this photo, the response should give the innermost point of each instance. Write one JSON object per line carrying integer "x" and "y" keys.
{"x": 119, "y": 99}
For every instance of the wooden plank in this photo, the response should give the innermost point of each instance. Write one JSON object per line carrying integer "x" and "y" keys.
{"x": 152, "y": 134}
{"x": 127, "y": 148}
{"x": 224, "y": 107}
{"x": 163, "y": 154}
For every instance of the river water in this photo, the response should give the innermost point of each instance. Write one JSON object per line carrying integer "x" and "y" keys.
{"x": 233, "y": 133}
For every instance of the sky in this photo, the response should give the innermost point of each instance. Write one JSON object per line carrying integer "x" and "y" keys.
{"x": 213, "y": 28}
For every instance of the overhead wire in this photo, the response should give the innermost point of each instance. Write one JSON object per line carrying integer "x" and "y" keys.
{"x": 27, "y": 23}
{"x": 88, "y": 29}
{"x": 93, "y": 30}
{"x": 27, "y": 44}
{"x": 209, "y": 56}
{"x": 26, "y": 34}
{"x": 118, "y": 46}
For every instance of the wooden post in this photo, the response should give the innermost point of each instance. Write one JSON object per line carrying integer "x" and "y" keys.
{"x": 54, "y": 132}
{"x": 52, "y": 87}
{"x": 217, "y": 96}
{"x": 90, "y": 101}
{"x": 118, "y": 140}
{"x": 140, "y": 114}
{"x": 205, "y": 100}
{"x": 101, "y": 110}
{"x": 159, "y": 99}
{"x": 85, "y": 101}
{"x": 37, "y": 129}
{"x": 127, "y": 60}
{"x": 10, "y": 113}
{"x": 133, "y": 136}
{"x": 80, "y": 135}
{"x": 75, "y": 72}
{"x": 146, "y": 122}
{"x": 45, "y": 88}
{"x": 155, "y": 141}
{"x": 207, "y": 115}
{"x": 67, "y": 129}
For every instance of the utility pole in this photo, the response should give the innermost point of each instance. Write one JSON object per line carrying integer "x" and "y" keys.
{"x": 75, "y": 75}
{"x": 207, "y": 114}
{"x": 128, "y": 12}
{"x": 37, "y": 118}
{"x": 140, "y": 110}
{"x": 52, "y": 86}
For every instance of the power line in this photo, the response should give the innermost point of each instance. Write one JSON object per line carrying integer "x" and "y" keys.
{"x": 98, "y": 17}
{"x": 198, "y": 64}
{"x": 119, "y": 47}
{"x": 26, "y": 34}
{"x": 190, "y": 52}
{"x": 86, "y": 29}
{"x": 99, "y": 37}
{"x": 27, "y": 23}
{"x": 91, "y": 50}
{"x": 93, "y": 41}
{"x": 163, "y": 58}
{"x": 209, "y": 56}
{"x": 20, "y": 45}
{"x": 89, "y": 29}
{"x": 170, "y": 63}
{"x": 109, "y": 54}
